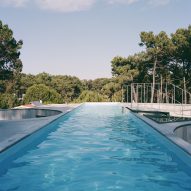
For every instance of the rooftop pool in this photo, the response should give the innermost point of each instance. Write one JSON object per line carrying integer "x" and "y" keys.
{"x": 96, "y": 147}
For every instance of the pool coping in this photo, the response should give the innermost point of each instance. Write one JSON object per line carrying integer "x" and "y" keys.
{"x": 167, "y": 130}
{"x": 33, "y": 125}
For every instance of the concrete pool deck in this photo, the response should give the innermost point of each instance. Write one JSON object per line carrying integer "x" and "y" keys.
{"x": 12, "y": 131}
{"x": 166, "y": 129}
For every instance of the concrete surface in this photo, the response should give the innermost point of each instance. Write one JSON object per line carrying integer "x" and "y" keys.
{"x": 12, "y": 131}
{"x": 167, "y": 129}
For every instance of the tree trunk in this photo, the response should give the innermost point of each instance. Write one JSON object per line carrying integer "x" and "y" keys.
{"x": 185, "y": 96}
{"x": 161, "y": 93}
{"x": 135, "y": 95}
{"x": 153, "y": 85}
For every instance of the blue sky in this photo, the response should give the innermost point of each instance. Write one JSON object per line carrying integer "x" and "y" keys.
{"x": 80, "y": 37}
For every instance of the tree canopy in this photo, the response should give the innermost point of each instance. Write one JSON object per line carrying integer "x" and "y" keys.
{"x": 9, "y": 53}
{"x": 10, "y": 67}
{"x": 163, "y": 56}
{"x": 42, "y": 92}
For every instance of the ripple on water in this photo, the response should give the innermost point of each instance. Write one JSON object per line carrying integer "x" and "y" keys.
{"x": 97, "y": 148}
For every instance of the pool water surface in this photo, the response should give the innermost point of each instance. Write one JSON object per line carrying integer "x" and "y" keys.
{"x": 97, "y": 147}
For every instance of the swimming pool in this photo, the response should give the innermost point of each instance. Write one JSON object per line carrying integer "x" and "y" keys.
{"x": 96, "y": 147}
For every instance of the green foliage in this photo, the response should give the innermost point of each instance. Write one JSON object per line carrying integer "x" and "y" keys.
{"x": 125, "y": 68}
{"x": 10, "y": 64}
{"x": 91, "y": 96}
{"x": 27, "y": 80}
{"x": 159, "y": 49}
{"x": 98, "y": 84}
{"x": 166, "y": 56}
{"x": 43, "y": 78}
{"x": 181, "y": 62}
{"x": 110, "y": 89}
{"x": 7, "y": 101}
{"x": 163, "y": 55}
{"x": 42, "y": 92}
{"x": 117, "y": 96}
{"x": 67, "y": 86}
{"x": 10, "y": 67}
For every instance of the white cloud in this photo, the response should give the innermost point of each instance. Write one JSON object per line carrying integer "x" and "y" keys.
{"x": 65, "y": 5}
{"x": 150, "y": 2}
{"x": 158, "y": 2}
{"x": 75, "y": 5}
{"x": 122, "y": 1}
{"x": 14, "y": 3}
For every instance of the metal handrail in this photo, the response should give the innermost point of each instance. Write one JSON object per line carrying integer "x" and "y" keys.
{"x": 172, "y": 88}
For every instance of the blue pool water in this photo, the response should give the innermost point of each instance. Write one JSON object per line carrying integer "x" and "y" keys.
{"x": 95, "y": 148}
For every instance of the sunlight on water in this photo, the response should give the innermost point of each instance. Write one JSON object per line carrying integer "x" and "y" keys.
{"x": 97, "y": 147}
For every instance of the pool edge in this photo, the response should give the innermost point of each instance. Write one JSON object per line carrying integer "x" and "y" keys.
{"x": 42, "y": 124}
{"x": 168, "y": 133}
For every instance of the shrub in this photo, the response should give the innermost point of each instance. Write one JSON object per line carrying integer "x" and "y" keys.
{"x": 42, "y": 92}
{"x": 7, "y": 101}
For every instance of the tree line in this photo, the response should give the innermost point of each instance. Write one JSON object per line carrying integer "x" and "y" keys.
{"x": 166, "y": 57}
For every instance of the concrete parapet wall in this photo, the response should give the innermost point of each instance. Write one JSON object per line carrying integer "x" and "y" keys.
{"x": 18, "y": 114}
